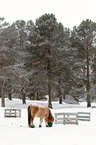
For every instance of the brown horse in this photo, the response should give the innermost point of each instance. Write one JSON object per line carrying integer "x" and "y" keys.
{"x": 41, "y": 112}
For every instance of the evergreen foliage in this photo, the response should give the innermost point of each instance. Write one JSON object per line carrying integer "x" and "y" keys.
{"x": 46, "y": 58}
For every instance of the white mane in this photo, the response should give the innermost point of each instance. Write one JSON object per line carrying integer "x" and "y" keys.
{"x": 40, "y": 105}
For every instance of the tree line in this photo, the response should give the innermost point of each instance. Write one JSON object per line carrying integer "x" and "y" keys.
{"x": 45, "y": 58}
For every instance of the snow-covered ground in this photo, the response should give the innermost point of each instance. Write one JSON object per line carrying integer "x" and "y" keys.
{"x": 15, "y": 131}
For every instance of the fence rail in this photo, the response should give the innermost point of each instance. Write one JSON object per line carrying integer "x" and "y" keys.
{"x": 12, "y": 113}
{"x": 71, "y": 118}
{"x": 84, "y": 116}
{"x": 66, "y": 118}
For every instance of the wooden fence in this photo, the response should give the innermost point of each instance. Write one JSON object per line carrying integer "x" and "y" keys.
{"x": 12, "y": 113}
{"x": 84, "y": 116}
{"x": 66, "y": 118}
{"x": 71, "y": 118}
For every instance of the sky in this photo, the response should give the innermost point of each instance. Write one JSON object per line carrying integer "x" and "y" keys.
{"x": 69, "y": 12}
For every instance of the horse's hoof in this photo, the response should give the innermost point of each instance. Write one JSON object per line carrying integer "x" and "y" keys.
{"x": 40, "y": 126}
{"x": 47, "y": 126}
{"x": 32, "y": 126}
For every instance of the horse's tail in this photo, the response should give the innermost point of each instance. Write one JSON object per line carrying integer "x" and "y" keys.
{"x": 29, "y": 115}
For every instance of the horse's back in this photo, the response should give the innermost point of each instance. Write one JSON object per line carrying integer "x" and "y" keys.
{"x": 34, "y": 109}
{"x": 39, "y": 111}
{"x": 43, "y": 112}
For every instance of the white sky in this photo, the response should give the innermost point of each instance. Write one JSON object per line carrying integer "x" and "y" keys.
{"x": 68, "y": 12}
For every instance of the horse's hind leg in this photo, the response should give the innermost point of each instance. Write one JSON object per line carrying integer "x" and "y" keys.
{"x": 41, "y": 120}
{"x": 31, "y": 122}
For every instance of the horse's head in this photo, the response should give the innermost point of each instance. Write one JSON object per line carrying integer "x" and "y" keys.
{"x": 50, "y": 120}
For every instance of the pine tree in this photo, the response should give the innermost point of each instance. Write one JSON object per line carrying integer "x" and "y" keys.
{"x": 82, "y": 38}
{"x": 45, "y": 40}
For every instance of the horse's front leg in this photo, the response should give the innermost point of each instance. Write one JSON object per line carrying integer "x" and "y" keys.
{"x": 31, "y": 122}
{"x": 41, "y": 120}
{"x": 46, "y": 121}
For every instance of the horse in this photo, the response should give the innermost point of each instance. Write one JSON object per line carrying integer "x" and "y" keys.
{"x": 41, "y": 112}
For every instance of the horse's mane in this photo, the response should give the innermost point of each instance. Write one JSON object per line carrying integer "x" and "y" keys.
{"x": 39, "y": 105}
{"x": 50, "y": 115}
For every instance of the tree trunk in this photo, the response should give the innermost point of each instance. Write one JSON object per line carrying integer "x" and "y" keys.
{"x": 24, "y": 98}
{"x": 60, "y": 99}
{"x": 2, "y": 96}
{"x": 2, "y": 93}
{"x": 33, "y": 96}
{"x": 49, "y": 76}
{"x": 10, "y": 96}
{"x": 88, "y": 82}
{"x": 64, "y": 97}
{"x": 2, "y": 100}
{"x": 49, "y": 93}
{"x": 37, "y": 96}
{"x": 60, "y": 94}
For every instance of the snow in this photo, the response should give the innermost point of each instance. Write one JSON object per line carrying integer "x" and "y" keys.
{"x": 15, "y": 131}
